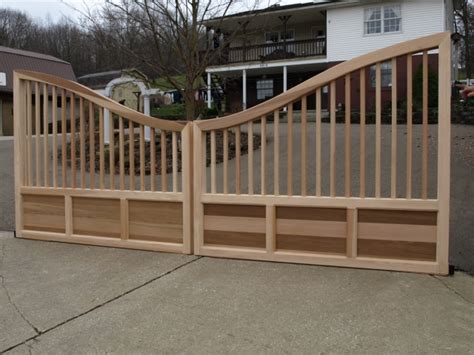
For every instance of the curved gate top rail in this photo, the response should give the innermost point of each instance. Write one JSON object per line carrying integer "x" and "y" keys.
{"x": 100, "y": 100}
{"x": 324, "y": 78}
{"x": 289, "y": 181}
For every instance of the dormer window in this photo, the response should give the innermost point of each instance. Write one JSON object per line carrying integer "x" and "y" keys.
{"x": 382, "y": 19}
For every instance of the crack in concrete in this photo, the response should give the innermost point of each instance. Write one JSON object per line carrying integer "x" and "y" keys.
{"x": 2, "y": 278}
{"x": 457, "y": 293}
{"x": 9, "y": 297}
{"x": 146, "y": 283}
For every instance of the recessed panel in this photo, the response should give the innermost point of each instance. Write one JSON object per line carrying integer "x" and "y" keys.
{"x": 234, "y": 225}
{"x": 43, "y": 213}
{"x": 96, "y": 217}
{"x": 156, "y": 221}
{"x": 396, "y": 234}
{"x": 308, "y": 229}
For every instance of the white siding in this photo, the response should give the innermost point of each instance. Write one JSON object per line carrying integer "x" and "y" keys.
{"x": 345, "y": 27}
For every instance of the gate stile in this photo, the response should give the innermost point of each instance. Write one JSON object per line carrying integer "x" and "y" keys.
{"x": 394, "y": 230}
{"x": 58, "y": 199}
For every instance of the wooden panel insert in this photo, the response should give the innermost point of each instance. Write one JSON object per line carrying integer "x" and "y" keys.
{"x": 308, "y": 229}
{"x": 157, "y": 221}
{"x": 235, "y": 225}
{"x": 96, "y": 217}
{"x": 44, "y": 213}
{"x": 396, "y": 234}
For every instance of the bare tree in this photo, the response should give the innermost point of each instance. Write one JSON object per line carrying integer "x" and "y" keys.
{"x": 172, "y": 36}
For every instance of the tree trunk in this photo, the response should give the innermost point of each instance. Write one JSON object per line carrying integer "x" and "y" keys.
{"x": 190, "y": 104}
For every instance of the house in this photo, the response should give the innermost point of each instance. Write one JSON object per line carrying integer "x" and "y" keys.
{"x": 273, "y": 49}
{"x": 15, "y": 59}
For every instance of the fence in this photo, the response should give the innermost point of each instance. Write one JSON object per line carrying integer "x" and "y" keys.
{"x": 268, "y": 183}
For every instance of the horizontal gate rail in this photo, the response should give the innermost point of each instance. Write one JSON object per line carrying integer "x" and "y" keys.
{"x": 276, "y": 182}
{"x": 131, "y": 189}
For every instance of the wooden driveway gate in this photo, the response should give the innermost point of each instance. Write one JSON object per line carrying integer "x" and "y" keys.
{"x": 287, "y": 180}
{"x": 351, "y": 194}
{"x": 72, "y": 185}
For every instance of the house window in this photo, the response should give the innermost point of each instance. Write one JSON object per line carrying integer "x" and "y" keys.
{"x": 272, "y": 36}
{"x": 289, "y": 35}
{"x": 264, "y": 89}
{"x": 385, "y": 75}
{"x": 279, "y": 36}
{"x": 382, "y": 19}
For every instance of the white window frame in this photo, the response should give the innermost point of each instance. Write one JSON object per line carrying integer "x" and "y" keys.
{"x": 385, "y": 75}
{"x": 382, "y": 19}
{"x": 265, "y": 89}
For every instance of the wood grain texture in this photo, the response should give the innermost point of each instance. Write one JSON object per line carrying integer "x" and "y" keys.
{"x": 311, "y": 244}
{"x": 320, "y": 228}
{"x": 234, "y": 210}
{"x": 398, "y": 232}
{"x": 237, "y": 239}
{"x": 44, "y": 213}
{"x": 156, "y": 221}
{"x": 234, "y": 224}
{"x": 396, "y": 250}
{"x": 397, "y": 217}
{"x": 96, "y": 217}
{"x": 311, "y": 213}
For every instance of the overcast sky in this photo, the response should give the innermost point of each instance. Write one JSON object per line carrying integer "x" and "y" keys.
{"x": 55, "y": 9}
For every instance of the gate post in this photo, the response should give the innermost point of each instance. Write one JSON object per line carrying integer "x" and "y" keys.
{"x": 19, "y": 98}
{"x": 187, "y": 176}
{"x": 199, "y": 186}
{"x": 444, "y": 154}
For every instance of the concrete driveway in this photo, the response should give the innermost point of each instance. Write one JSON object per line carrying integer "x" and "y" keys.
{"x": 61, "y": 298}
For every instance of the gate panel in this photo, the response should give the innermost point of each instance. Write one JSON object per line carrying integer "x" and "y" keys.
{"x": 129, "y": 189}
{"x": 363, "y": 184}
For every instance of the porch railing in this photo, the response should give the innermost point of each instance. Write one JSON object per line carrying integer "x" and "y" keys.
{"x": 272, "y": 51}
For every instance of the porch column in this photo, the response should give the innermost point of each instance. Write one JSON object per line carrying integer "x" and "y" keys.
{"x": 244, "y": 89}
{"x": 146, "y": 111}
{"x": 106, "y": 126}
{"x": 208, "y": 90}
